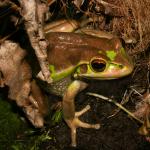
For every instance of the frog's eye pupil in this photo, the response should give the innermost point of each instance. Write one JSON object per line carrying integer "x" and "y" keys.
{"x": 98, "y": 65}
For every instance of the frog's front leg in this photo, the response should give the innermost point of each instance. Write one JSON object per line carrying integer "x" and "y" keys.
{"x": 70, "y": 116}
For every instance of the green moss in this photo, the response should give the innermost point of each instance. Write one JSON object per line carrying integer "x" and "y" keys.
{"x": 10, "y": 124}
{"x": 16, "y": 134}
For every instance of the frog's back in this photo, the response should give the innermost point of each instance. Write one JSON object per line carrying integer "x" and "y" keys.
{"x": 75, "y": 39}
{"x": 68, "y": 49}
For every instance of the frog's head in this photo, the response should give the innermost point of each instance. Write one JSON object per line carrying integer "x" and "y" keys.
{"x": 106, "y": 64}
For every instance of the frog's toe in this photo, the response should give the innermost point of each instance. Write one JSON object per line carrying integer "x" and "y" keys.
{"x": 84, "y": 110}
{"x": 76, "y": 122}
{"x": 97, "y": 126}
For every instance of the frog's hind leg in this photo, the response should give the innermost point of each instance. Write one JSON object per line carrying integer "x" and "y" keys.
{"x": 71, "y": 117}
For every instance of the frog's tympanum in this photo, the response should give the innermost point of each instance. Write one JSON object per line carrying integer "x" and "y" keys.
{"x": 74, "y": 57}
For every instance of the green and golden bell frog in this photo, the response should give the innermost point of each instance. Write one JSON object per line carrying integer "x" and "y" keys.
{"x": 74, "y": 57}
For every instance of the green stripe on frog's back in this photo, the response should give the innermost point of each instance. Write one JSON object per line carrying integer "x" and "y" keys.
{"x": 56, "y": 76}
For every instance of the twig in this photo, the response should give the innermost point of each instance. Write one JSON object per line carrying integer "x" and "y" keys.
{"x": 134, "y": 90}
{"x": 117, "y": 104}
{"x": 34, "y": 24}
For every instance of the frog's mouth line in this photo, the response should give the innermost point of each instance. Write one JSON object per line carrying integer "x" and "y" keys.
{"x": 107, "y": 75}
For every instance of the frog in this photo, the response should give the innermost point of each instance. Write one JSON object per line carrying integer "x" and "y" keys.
{"x": 74, "y": 59}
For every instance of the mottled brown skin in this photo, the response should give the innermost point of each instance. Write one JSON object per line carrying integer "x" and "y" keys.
{"x": 74, "y": 39}
{"x": 17, "y": 75}
{"x": 67, "y": 49}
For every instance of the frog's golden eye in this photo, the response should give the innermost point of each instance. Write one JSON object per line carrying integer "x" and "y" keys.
{"x": 98, "y": 65}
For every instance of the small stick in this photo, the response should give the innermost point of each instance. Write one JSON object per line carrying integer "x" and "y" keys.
{"x": 117, "y": 104}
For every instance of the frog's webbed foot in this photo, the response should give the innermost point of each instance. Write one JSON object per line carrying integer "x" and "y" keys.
{"x": 71, "y": 117}
{"x": 76, "y": 122}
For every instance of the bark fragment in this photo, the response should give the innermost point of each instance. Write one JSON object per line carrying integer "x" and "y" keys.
{"x": 16, "y": 74}
{"x": 33, "y": 14}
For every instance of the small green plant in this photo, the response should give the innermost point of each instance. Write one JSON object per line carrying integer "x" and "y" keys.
{"x": 17, "y": 146}
{"x": 40, "y": 139}
{"x": 57, "y": 117}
